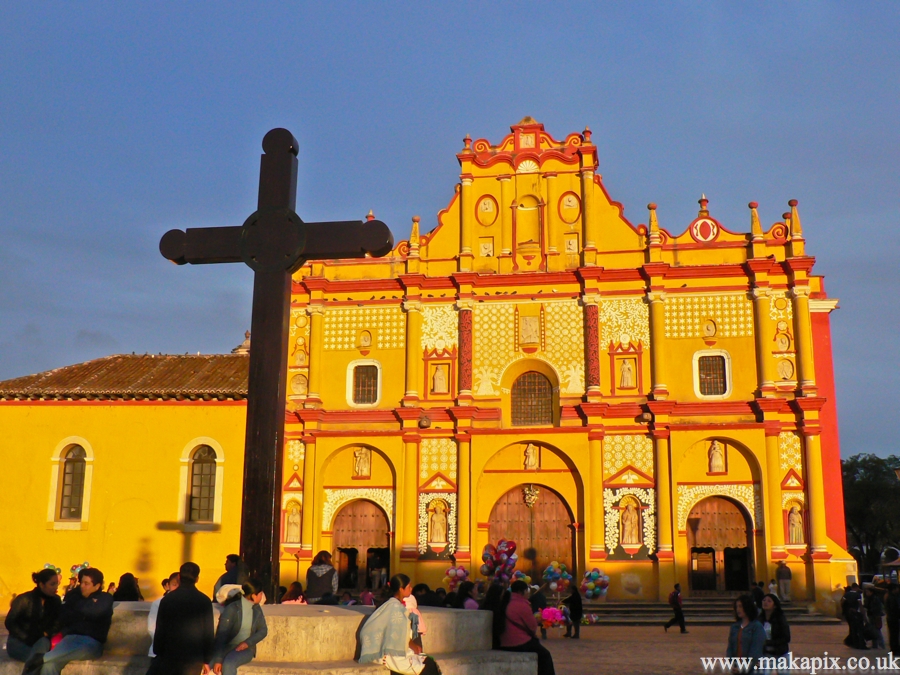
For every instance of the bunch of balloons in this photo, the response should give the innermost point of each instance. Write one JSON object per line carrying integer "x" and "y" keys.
{"x": 454, "y": 576}
{"x": 51, "y": 566}
{"x": 557, "y": 577}
{"x": 594, "y": 584}
{"x": 519, "y": 575}
{"x": 499, "y": 561}
{"x": 76, "y": 568}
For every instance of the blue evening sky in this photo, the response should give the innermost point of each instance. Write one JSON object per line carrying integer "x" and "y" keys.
{"x": 119, "y": 121}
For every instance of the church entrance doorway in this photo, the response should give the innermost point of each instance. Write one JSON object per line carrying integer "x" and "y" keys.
{"x": 362, "y": 553}
{"x": 719, "y": 533}
{"x": 543, "y": 530}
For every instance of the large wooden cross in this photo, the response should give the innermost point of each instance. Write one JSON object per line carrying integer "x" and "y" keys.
{"x": 274, "y": 242}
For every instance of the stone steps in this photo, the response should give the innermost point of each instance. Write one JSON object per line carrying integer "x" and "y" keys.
{"x": 467, "y": 663}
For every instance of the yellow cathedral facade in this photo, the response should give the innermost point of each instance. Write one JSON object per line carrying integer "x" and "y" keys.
{"x": 536, "y": 367}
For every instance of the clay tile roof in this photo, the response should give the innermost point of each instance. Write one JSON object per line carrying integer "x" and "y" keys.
{"x": 138, "y": 375}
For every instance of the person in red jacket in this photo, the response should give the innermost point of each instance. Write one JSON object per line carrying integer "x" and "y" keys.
{"x": 519, "y": 628}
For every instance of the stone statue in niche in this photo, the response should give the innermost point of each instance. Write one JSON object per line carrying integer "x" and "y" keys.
{"x": 716, "y": 458}
{"x": 626, "y": 381}
{"x": 365, "y": 339}
{"x": 571, "y": 245}
{"x": 486, "y": 249}
{"x": 437, "y": 522}
{"x": 783, "y": 342}
{"x": 362, "y": 462}
{"x": 292, "y": 529}
{"x": 795, "y": 525}
{"x": 709, "y": 329}
{"x": 631, "y": 524}
{"x": 299, "y": 385}
{"x": 300, "y": 351}
{"x": 532, "y": 461}
{"x": 439, "y": 380}
{"x": 530, "y": 330}
{"x": 785, "y": 369}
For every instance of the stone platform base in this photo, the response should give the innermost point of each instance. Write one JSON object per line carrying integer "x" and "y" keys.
{"x": 467, "y": 663}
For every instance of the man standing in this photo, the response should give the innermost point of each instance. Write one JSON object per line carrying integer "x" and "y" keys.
{"x": 184, "y": 628}
{"x": 170, "y": 584}
{"x": 84, "y": 624}
{"x": 675, "y": 604}
{"x": 783, "y": 576}
{"x": 892, "y": 610}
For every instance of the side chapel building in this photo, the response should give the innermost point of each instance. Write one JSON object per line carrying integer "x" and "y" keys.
{"x": 536, "y": 368}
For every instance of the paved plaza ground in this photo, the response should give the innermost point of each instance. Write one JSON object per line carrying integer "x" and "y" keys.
{"x": 647, "y": 650}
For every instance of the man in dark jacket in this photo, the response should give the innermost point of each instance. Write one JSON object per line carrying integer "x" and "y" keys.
{"x": 184, "y": 635}
{"x": 84, "y": 624}
{"x": 32, "y": 617}
{"x": 675, "y": 604}
{"x": 576, "y": 612}
{"x": 892, "y": 611}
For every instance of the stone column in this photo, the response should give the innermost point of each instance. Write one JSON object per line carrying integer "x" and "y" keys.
{"x": 592, "y": 345}
{"x": 465, "y": 350}
{"x": 308, "y": 538}
{"x": 464, "y": 497}
{"x": 665, "y": 526}
{"x": 407, "y": 503}
{"x": 765, "y": 365}
{"x": 815, "y": 490}
{"x": 413, "y": 352}
{"x": 596, "y": 534}
{"x": 657, "y": 343}
{"x": 316, "y": 345}
{"x": 589, "y": 211}
{"x": 506, "y": 198}
{"x": 466, "y": 216}
{"x": 806, "y": 375}
{"x": 774, "y": 475}
{"x": 551, "y": 209}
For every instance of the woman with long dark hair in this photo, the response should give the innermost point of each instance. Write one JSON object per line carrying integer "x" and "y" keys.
{"x": 33, "y": 616}
{"x": 386, "y": 636}
{"x": 494, "y": 602}
{"x": 519, "y": 632}
{"x": 465, "y": 596}
{"x": 128, "y": 589}
{"x": 775, "y": 625}
{"x": 241, "y": 627}
{"x": 294, "y": 595}
{"x": 746, "y": 637}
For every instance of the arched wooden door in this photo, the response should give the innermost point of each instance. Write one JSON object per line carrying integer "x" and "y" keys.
{"x": 542, "y": 532}
{"x": 361, "y": 545}
{"x": 719, "y": 535}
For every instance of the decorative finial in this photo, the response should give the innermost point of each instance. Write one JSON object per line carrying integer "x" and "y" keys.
{"x": 370, "y": 215}
{"x": 654, "y": 223}
{"x": 586, "y": 134}
{"x": 414, "y": 236}
{"x": 654, "y": 238}
{"x": 755, "y": 227}
{"x": 467, "y": 141}
{"x": 703, "y": 201}
{"x": 796, "y": 229}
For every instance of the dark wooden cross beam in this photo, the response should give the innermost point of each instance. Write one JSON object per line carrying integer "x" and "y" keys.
{"x": 274, "y": 242}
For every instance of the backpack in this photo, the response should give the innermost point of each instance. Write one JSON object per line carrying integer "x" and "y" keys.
{"x": 673, "y": 599}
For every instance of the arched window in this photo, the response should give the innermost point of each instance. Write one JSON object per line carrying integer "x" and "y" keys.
{"x": 203, "y": 485}
{"x": 72, "y": 493}
{"x": 532, "y": 400}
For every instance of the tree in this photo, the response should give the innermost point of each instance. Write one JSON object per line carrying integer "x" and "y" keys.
{"x": 871, "y": 506}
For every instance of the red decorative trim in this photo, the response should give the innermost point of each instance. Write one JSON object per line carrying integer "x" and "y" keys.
{"x": 121, "y": 401}
{"x": 712, "y": 408}
{"x": 598, "y": 555}
{"x": 795, "y": 475}
{"x": 721, "y": 482}
{"x": 592, "y": 346}
{"x": 465, "y": 350}
{"x": 613, "y": 481}
{"x": 779, "y": 555}
{"x": 631, "y": 350}
{"x": 821, "y": 555}
{"x": 533, "y": 472}
{"x": 665, "y": 555}
{"x": 355, "y": 487}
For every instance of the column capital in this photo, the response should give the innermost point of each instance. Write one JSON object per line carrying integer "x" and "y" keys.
{"x": 761, "y": 292}
{"x": 504, "y": 177}
{"x": 465, "y": 304}
{"x": 800, "y": 292}
{"x": 316, "y": 309}
{"x": 412, "y": 305}
{"x": 590, "y": 299}
{"x": 656, "y": 296}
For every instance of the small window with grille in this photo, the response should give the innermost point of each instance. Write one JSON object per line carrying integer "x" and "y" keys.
{"x": 531, "y": 400}
{"x": 203, "y": 485}
{"x": 712, "y": 375}
{"x": 72, "y": 494}
{"x": 365, "y": 385}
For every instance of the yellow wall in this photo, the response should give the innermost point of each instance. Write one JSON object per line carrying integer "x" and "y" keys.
{"x": 134, "y": 495}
